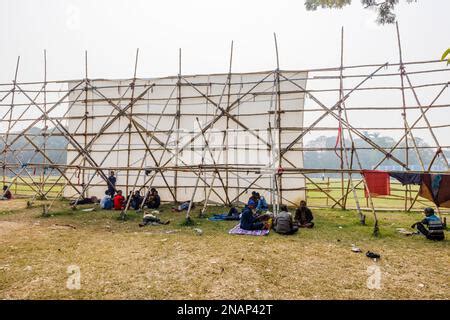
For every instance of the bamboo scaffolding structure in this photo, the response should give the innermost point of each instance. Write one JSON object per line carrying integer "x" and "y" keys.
{"x": 222, "y": 178}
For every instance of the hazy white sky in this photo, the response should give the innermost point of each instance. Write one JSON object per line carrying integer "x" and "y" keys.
{"x": 111, "y": 30}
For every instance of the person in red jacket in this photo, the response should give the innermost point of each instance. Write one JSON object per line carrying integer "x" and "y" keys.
{"x": 119, "y": 201}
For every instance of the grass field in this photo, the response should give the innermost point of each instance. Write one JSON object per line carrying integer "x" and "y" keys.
{"x": 315, "y": 197}
{"x": 120, "y": 260}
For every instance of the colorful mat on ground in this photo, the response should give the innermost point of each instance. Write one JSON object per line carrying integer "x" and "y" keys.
{"x": 223, "y": 217}
{"x": 238, "y": 230}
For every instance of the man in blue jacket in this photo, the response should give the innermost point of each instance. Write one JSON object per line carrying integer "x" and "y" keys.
{"x": 249, "y": 221}
{"x": 435, "y": 230}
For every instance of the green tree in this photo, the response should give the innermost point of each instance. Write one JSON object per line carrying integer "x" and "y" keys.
{"x": 385, "y": 8}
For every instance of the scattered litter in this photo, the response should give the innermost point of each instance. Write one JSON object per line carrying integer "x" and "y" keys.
{"x": 421, "y": 285}
{"x": 372, "y": 255}
{"x": 405, "y": 232}
{"x": 28, "y": 268}
{"x": 355, "y": 249}
{"x": 163, "y": 240}
{"x": 170, "y": 231}
{"x": 198, "y": 231}
{"x": 155, "y": 212}
{"x": 88, "y": 209}
{"x": 62, "y": 226}
{"x": 340, "y": 227}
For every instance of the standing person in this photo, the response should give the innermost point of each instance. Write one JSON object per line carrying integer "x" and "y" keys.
{"x": 112, "y": 184}
{"x": 435, "y": 230}
{"x": 118, "y": 201}
{"x": 283, "y": 223}
{"x": 7, "y": 195}
{"x": 303, "y": 216}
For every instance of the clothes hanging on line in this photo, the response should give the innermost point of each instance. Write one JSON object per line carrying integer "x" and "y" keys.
{"x": 377, "y": 183}
{"x": 407, "y": 178}
{"x": 436, "y": 188}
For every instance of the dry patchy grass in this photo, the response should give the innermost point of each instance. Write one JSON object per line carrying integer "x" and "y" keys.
{"x": 119, "y": 260}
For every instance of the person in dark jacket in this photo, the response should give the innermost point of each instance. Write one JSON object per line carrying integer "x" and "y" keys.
{"x": 249, "y": 221}
{"x": 153, "y": 201}
{"x": 283, "y": 223}
{"x": 112, "y": 184}
{"x": 136, "y": 200}
{"x": 303, "y": 216}
{"x": 6, "y": 194}
{"x": 435, "y": 230}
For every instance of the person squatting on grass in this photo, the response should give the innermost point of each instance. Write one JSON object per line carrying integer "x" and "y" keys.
{"x": 283, "y": 223}
{"x": 6, "y": 194}
{"x": 106, "y": 202}
{"x": 153, "y": 199}
{"x": 136, "y": 200}
{"x": 119, "y": 201}
{"x": 261, "y": 203}
{"x": 435, "y": 230}
{"x": 303, "y": 216}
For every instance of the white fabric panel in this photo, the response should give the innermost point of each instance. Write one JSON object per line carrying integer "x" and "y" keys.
{"x": 241, "y": 139}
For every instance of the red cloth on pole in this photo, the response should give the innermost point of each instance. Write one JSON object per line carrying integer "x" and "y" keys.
{"x": 378, "y": 183}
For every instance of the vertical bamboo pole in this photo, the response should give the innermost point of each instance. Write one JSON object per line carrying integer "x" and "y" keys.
{"x": 278, "y": 121}
{"x": 226, "y": 144}
{"x": 177, "y": 119}
{"x": 341, "y": 96}
{"x": 405, "y": 124}
{"x": 131, "y": 122}
{"x": 45, "y": 122}
{"x": 6, "y": 148}
{"x": 83, "y": 172}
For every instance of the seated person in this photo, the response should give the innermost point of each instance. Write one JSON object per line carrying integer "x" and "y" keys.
{"x": 435, "y": 229}
{"x": 136, "y": 200}
{"x": 253, "y": 199}
{"x": 83, "y": 200}
{"x": 151, "y": 219}
{"x": 303, "y": 216}
{"x": 283, "y": 223}
{"x": 106, "y": 202}
{"x": 261, "y": 204}
{"x": 233, "y": 214}
{"x": 183, "y": 206}
{"x": 251, "y": 222}
{"x": 153, "y": 200}
{"x": 119, "y": 201}
{"x": 7, "y": 195}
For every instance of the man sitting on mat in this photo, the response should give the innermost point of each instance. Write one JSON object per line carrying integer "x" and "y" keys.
{"x": 251, "y": 222}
